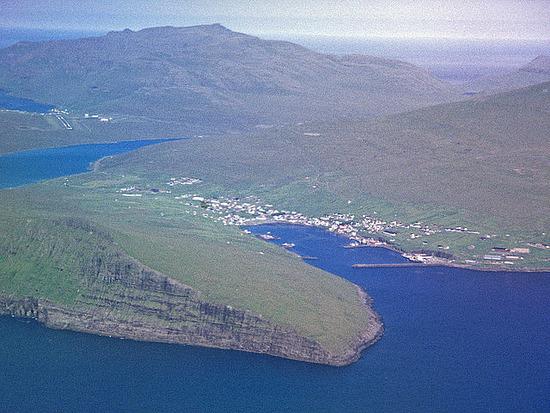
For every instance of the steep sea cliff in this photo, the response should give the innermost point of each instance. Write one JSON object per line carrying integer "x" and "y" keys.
{"x": 118, "y": 296}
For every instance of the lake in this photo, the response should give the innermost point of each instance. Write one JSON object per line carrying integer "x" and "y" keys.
{"x": 26, "y": 167}
{"x": 456, "y": 340}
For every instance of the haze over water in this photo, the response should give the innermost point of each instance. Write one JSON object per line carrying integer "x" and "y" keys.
{"x": 454, "y": 60}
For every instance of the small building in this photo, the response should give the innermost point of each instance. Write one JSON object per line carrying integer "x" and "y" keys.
{"x": 520, "y": 250}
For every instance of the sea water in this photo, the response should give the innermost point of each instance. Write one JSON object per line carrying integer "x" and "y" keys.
{"x": 456, "y": 340}
{"x": 11, "y": 102}
{"x": 26, "y": 167}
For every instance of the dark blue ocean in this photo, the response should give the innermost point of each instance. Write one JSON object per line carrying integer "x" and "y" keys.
{"x": 455, "y": 341}
{"x": 31, "y": 166}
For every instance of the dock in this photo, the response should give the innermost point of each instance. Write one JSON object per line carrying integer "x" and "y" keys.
{"x": 395, "y": 265}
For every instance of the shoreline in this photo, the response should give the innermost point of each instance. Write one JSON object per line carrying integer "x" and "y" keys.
{"x": 213, "y": 326}
{"x": 442, "y": 262}
{"x": 374, "y": 332}
{"x": 56, "y": 317}
{"x": 95, "y": 165}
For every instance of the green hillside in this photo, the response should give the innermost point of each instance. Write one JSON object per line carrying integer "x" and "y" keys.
{"x": 54, "y": 236}
{"x": 482, "y": 163}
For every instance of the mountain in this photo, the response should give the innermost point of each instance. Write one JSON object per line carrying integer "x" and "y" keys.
{"x": 535, "y": 72}
{"x": 540, "y": 65}
{"x": 209, "y": 75}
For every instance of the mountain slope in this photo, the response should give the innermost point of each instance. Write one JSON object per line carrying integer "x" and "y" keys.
{"x": 481, "y": 163}
{"x": 209, "y": 75}
{"x": 477, "y": 155}
{"x": 535, "y": 72}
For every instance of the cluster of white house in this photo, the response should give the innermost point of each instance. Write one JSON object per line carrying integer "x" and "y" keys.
{"x": 183, "y": 181}
{"x": 251, "y": 211}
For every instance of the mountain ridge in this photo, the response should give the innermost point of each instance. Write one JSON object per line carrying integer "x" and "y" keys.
{"x": 541, "y": 64}
{"x": 210, "y": 75}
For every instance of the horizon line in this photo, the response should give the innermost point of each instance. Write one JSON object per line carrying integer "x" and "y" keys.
{"x": 273, "y": 34}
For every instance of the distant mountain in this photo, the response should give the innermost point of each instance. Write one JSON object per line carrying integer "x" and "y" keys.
{"x": 535, "y": 72}
{"x": 211, "y": 75}
{"x": 540, "y": 65}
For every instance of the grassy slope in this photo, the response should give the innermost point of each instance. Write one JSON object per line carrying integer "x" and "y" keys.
{"x": 481, "y": 163}
{"x": 30, "y": 272}
{"x": 223, "y": 264}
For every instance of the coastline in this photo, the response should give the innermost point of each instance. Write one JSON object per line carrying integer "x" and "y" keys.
{"x": 183, "y": 318}
{"x": 441, "y": 262}
{"x": 96, "y": 165}
{"x": 374, "y": 332}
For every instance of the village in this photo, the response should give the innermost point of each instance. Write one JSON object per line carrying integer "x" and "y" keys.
{"x": 251, "y": 212}
{"x": 362, "y": 231}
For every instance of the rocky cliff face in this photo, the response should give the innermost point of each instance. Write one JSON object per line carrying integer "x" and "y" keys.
{"x": 120, "y": 297}
{"x": 178, "y": 316}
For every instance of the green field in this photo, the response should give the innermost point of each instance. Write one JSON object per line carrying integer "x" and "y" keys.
{"x": 461, "y": 164}
{"x": 222, "y": 263}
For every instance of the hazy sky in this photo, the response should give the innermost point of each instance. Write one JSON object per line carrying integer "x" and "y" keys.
{"x": 516, "y": 19}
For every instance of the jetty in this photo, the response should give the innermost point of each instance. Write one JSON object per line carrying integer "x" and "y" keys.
{"x": 395, "y": 265}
